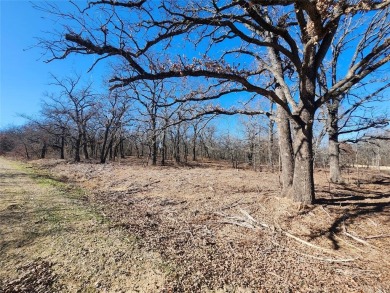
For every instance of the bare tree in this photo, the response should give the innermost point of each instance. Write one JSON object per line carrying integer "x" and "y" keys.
{"x": 352, "y": 111}
{"x": 111, "y": 118}
{"x": 73, "y": 103}
{"x": 288, "y": 40}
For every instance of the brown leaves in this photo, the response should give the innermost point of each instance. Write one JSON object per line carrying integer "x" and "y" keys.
{"x": 34, "y": 277}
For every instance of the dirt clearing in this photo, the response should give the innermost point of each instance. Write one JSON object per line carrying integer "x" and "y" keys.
{"x": 215, "y": 229}
{"x": 51, "y": 241}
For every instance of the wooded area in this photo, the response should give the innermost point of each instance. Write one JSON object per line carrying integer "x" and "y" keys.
{"x": 230, "y": 146}
{"x": 312, "y": 69}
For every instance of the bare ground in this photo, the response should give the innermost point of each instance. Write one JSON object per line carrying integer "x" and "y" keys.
{"x": 211, "y": 228}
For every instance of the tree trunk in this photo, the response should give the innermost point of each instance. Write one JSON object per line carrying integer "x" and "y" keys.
{"x": 103, "y": 154}
{"x": 334, "y": 147}
{"x": 177, "y": 146}
{"x": 85, "y": 142}
{"x": 110, "y": 149}
{"x": 62, "y": 150}
{"x": 44, "y": 149}
{"x": 302, "y": 189}
{"x": 185, "y": 152}
{"x": 26, "y": 150}
{"x": 271, "y": 144}
{"x": 251, "y": 151}
{"x": 154, "y": 150}
{"x": 285, "y": 149}
{"x": 163, "y": 149}
{"x": 334, "y": 159}
{"x": 77, "y": 149}
{"x": 194, "y": 146}
{"x": 122, "y": 147}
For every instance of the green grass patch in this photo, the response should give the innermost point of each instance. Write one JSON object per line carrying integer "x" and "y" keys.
{"x": 79, "y": 212}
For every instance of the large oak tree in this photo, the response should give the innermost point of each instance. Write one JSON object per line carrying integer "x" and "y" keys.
{"x": 239, "y": 45}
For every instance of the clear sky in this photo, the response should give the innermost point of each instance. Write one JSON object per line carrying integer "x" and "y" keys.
{"x": 24, "y": 74}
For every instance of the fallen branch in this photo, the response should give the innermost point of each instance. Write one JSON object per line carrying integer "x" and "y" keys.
{"x": 249, "y": 222}
{"x": 347, "y": 243}
{"x": 308, "y": 243}
{"x": 232, "y": 205}
{"x": 356, "y": 238}
{"x": 378, "y": 236}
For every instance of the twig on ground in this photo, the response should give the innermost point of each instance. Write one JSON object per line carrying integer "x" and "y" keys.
{"x": 378, "y": 236}
{"x": 325, "y": 211}
{"x": 355, "y": 237}
{"x": 251, "y": 219}
{"x": 375, "y": 224}
{"x": 251, "y": 223}
{"x": 308, "y": 243}
{"x": 151, "y": 183}
{"x": 347, "y": 243}
{"x": 232, "y": 205}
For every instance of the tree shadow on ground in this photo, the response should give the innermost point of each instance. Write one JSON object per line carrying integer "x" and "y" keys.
{"x": 351, "y": 203}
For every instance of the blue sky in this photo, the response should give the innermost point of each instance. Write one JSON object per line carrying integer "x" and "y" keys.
{"x": 24, "y": 74}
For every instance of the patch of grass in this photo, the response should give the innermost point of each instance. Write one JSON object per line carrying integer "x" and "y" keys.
{"x": 57, "y": 216}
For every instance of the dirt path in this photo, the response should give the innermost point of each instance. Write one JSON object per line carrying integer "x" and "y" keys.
{"x": 51, "y": 240}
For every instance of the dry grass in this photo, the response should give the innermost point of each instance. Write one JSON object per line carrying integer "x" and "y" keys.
{"x": 52, "y": 241}
{"x": 224, "y": 230}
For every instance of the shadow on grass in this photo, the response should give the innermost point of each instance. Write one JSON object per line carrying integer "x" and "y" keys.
{"x": 31, "y": 223}
{"x": 352, "y": 204}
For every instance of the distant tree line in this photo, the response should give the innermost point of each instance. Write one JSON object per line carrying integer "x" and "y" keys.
{"x": 153, "y": 124}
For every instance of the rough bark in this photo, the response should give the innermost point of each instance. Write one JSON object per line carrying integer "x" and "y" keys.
{"x": 302, "y": 189}
{"x": 333, "y": 147}
{"x": 285, "y": 147}
{"x": 271, "y": 144}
